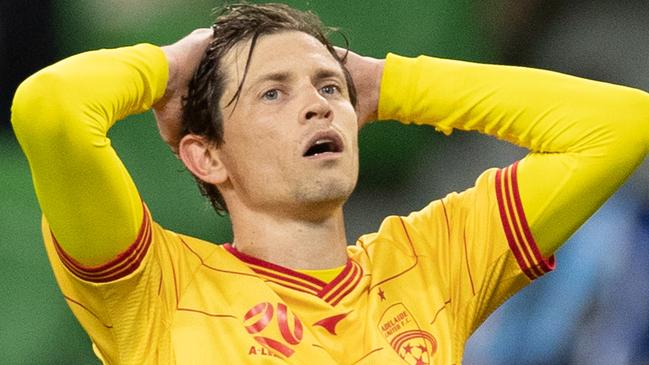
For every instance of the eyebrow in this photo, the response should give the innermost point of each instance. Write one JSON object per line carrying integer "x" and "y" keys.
{"x": 274, "y": 76}
{"x": 326, "y": 73}
{"x": 322, "y": 73}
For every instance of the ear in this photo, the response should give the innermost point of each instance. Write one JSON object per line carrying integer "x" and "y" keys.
{"x": 202, "y": 158}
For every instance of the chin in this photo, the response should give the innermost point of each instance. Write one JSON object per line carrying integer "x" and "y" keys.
{"x": 325, "y": 194}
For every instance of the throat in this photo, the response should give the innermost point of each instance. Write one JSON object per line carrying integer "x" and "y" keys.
{"x": 294, "y": 244}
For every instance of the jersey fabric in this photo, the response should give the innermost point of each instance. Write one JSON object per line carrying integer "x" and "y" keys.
{"x": 410, "y": 293}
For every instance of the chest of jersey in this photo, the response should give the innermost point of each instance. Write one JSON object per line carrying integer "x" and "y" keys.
{"x": 278, "y": 316}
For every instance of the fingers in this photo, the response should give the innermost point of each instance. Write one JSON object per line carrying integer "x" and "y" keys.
{"x": 183, "y": 58}
{"x": 366, "y": 73}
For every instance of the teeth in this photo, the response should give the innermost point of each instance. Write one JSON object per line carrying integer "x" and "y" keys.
{"x": 323, "y": 145}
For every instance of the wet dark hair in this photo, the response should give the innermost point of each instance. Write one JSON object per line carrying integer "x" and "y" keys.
{"x": 237, "y": 23}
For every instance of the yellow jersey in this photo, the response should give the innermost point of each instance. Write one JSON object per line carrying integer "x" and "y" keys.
{"x": 410, "y": 293}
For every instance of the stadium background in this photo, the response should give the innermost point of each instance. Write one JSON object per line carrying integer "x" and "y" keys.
{"x": 402, "y": 168}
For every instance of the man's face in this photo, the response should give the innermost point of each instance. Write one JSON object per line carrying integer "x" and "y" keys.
{"x": 291, "y": 138}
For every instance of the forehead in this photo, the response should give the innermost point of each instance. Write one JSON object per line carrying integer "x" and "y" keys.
{"x": 289, "y": 51}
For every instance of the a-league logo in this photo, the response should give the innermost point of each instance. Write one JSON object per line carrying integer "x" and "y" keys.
{"x": 259, "y": 319}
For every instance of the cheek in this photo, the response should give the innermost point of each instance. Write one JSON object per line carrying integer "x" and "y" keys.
{"x": 256, "y": 151}
{"x": 349, "y": 122}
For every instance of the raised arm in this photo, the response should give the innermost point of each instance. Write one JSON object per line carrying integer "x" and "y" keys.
{"x": 585, "y": 137}
{"x": 61, "y": 116}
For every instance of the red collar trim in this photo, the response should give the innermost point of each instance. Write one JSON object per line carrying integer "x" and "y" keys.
{"x": 332, "y": 292}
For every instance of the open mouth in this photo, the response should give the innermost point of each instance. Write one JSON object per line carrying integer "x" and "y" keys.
{"x": 323, "y": 143}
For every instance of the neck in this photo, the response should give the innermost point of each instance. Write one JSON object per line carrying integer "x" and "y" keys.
{"x": 292, "y": 242}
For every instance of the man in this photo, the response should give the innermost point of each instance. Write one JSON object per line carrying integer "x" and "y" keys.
{"x": 269, "y": 129}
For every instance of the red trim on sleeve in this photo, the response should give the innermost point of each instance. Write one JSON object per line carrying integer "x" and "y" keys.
{"x": 517, "y": 231}
{"x": 122, "y": 265}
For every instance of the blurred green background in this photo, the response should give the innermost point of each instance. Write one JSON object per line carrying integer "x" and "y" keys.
{"x": 36, "y": 325}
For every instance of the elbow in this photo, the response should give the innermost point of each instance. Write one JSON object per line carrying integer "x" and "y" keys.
{"x": 634, "y": 121}
{"x": 37, "y": 106}
{"x": 626, "y": 122}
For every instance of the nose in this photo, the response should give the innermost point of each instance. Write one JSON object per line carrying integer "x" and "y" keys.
{"x": 316, "y": 108}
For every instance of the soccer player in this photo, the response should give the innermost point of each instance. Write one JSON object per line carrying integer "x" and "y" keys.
{"x": 264, "y": 113}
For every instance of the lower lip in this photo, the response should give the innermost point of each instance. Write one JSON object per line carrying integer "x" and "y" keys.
{"x": 325, "y": 156}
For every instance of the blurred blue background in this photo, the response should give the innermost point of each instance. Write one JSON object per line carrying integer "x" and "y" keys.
{"x": 592, "y": 310}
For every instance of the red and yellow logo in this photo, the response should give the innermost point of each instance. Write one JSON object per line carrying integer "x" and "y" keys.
{"x": 286, "y": 332}
{"x": 414, "y": 345}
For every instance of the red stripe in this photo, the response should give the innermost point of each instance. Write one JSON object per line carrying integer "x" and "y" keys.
{"x": 274, "y": 267}
{"x": 273, "y": 276}
{"x": 353, "y": 273}
{"x": 109, "y": 265}
{"x": 466, "y": 259}
{"x": 118, "y": 270}
{"x": 177, "y": 292}
{"x": 217, "y": 247}
{"x": 342, "y": 275}
{"x": 102, "y": 269}
{"x": 367, "y": 354}
{"x": 127, "y": 265}
{"x": 536, "y": 265}
{"x": 347, "y": 280}
{"x": 546, "y": 265}
{"x": 122, "y": 265}
{"x": 440, "y": 311}
{"x": 127, "y": 270}
{"x": 215, "y": 315}
{"x": 351, "y": 287}
{"x": 160, "y": 283}
{"x": 448, "y": 225}
{"x": 414, "y": 254}
{"x": 87, "y": 310}
{"x": 349, "y": 276}
{"x": 517, "y": 217}
{"x": 505, "y": 222}
{"x": 173, "y": 273}
{"x": 286, "y": 285}
{"x": 513, "y": 222}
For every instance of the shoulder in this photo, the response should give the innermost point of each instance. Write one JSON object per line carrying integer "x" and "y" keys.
{"x": 409, "y": 235}
{"x": 441, "y": 221}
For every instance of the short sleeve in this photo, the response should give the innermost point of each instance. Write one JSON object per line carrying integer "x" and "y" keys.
{"x": 481, "y": 247}
{"x": 126, "y": 305}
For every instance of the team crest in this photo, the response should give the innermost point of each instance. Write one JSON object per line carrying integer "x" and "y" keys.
{"x": 414, "y": 345}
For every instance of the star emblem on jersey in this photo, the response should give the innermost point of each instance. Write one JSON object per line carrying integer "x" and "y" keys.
{"x": 381, "y": 294}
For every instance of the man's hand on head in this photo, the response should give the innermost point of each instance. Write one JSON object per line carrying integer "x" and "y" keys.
{"x": 183, "y": 57}
{"x": 366, "y": 73}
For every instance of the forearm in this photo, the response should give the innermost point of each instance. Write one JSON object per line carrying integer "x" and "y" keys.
{"x": 585, "y": 136}
{"x": 61, "y": 116}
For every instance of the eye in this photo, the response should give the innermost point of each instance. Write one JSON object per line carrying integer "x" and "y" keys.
{"x": 272, "y": 94}
{"x": 329, "y": 90}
